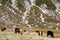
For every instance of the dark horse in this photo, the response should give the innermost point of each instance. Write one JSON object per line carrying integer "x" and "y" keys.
{"x": 17, "y": 30}
{"x": 50, "y": 33}
{"x": 3, "y": 28}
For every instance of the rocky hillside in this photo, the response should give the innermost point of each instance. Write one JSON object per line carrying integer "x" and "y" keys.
{"x": 30, "y": 13}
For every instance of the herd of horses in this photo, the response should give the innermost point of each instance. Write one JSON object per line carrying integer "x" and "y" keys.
{"x": 40, "y": 33}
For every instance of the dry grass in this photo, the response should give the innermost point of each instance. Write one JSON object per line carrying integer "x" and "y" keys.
{"x": 7, "y": 35}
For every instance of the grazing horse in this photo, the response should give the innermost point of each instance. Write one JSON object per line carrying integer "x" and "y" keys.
{"x": 3, "y": 28}
{"x": 50, "y": 33}
{"x": 17, "y": 30}
{"x": 40, "y": 33}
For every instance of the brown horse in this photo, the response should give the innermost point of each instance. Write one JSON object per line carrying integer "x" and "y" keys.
{"x": 40, "y": 33}
{"x": 3, "y": 28}
{"x": 17, "y": 30}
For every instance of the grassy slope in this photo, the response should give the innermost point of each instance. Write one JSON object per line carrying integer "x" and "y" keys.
{"x": 49, "y": 3}
{"x": 58, "y": 0}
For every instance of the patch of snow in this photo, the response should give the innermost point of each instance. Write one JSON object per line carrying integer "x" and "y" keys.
{"x": 24, "y": 16}
{"x": 44, "y": 6}
{"x": 57, "y": 23}
{"x": 42, "y": 17}
{"x": 36, "y": 25}
{"x": 26, "y": 4}
{"x": 13, "y": 2}
{"x": 37, "y": 21}
{"x": 0, "y": 4}
{"x": 29, "y": 26}
{"x": 26, "y": 22}
{"x": 50, "y": 26}
{"x": 14, "y": 26}
{"x": 57, "y": 4}
{"x": 32, "y": 2}
{"x": 14, "y": 12}
{"x": 57, "y": 28}
{"x": 58, "y": 8}
{"x": 9, "y": 9}
{"x": 13, "y": 5}
{"x": 45, "y": 24}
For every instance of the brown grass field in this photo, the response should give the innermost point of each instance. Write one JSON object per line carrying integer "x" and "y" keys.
{"x": 29, "y": 35}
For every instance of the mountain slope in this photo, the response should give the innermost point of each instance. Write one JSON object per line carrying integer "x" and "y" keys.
{"x": 30, "y": 13}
